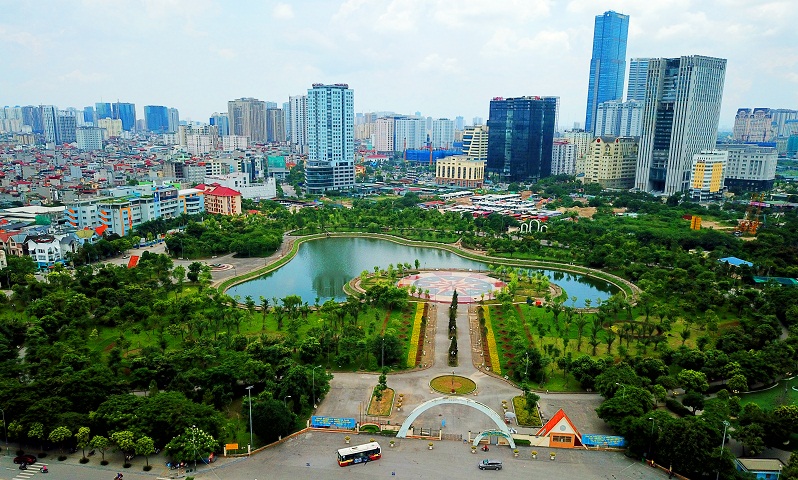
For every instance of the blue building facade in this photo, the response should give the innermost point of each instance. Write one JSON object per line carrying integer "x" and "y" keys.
{"x": 157, "y": 118}
{"x": 88, "y": 115}
{"x": 608, "y": 63}
{"x": 520, "y": 137}
{"x": 127, "y": 113}
{"x": 102, "y": 110}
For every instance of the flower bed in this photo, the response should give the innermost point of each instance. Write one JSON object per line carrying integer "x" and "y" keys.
{"x": 416, "y": 338}
{"x": 491, "y": 343}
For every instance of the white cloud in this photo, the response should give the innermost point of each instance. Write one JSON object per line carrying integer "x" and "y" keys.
{"x": 283, "y": 11}
{"x": 78, "y": 76}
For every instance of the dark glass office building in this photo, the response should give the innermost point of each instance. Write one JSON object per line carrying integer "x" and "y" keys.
{"x": 520, "y": 137}
{"x": 608, "y": 63}
{"x": 157, "y": 118}
{"x": 127, "y": 113}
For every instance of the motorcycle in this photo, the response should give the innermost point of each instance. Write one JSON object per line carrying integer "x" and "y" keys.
{"x": 44, "y": 470}
{"x": 23, "y": 466}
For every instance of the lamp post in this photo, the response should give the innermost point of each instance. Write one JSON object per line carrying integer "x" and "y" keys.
{"x": 452, "y": 381}
{"x": 249, "y": 394}
{"x": 194, "y": 442}
{"x": 314, "y": 385}
{"x": 383, "y": 353}
{"x": 623, "y": 389}
{"x": 526, "y": 368}
{"x": 651, "y": 438}
{"x": 5, "y": 431}
{"x": 285, "y": 403}
{"x": 722, "y": 443}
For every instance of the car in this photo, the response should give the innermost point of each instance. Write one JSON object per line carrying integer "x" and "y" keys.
{"x": 27, "y": 458}
{"x": 490, "y": 464}
{"x": 125, "y": 256}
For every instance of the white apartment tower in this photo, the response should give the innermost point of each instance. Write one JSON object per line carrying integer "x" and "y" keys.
{"x": 442, "y": 133}
{"x": 475, "y": 142}
{"x": 680, "y": 118}
{"x": 298, "y": 106}
{"x": 331, "y": 138}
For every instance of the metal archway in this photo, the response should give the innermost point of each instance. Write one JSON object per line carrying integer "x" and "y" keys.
{"x": 493, "y": 433}
{"x": 502, "y": 428}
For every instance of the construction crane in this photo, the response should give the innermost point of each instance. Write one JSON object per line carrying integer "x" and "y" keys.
{"x": 750, "y": 224}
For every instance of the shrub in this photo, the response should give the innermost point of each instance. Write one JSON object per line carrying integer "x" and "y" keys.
{"x": 84, "y": 460}
{"x": 61, "y": 458}
{"x": 147, "y": 468}
{"x": 676, "y": 407}
{"x": 523, "y": 442}
{"x": 126, "y": 465}
{"x": 103, "y": 462}
{"x": 370, "y": 428}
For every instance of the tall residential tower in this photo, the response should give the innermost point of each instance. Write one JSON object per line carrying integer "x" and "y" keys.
{"x": 331, "y": 138}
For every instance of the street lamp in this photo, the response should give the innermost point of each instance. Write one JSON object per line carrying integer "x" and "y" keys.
{"x": 650, "y": 439}
{"x": 314, "y": 385}
{"x": 623, "y": 389}
{"x": 722, "y": 443}
{"x": 194, "y": 441}
{"x": 285, "y": 404}
{"x": 452, "y": 381}
{"x": 249, "y": 394}
{"x": 4, "y": 428}
{"x": 527, "y": 365}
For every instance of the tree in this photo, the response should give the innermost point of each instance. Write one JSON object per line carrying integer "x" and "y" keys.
{"x": 82, "y": 438}
{"x": 36, "y": 431}
{"x": 124, "y": 440}
{"x": 271, "y": 419}
{"x": 59, "y": 435}
{"x": 192, "y": 444}
{"x": 692, "y": 380}
{"x": 145, "y": 446}
{"x": 100, "y": 443}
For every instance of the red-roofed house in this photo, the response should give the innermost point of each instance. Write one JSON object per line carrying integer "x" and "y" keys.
{"x": 222, "y": 200}
{"x": 560, "y": 432}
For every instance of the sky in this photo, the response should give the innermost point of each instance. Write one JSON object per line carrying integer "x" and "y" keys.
{"x": 443, "y": 58}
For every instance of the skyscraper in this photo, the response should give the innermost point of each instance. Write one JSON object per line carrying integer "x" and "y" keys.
{"x": 331, "y": 138}
{"x": 680, "y": 118}
{"x": 287, "y": 120}
{"x": 248, "y": 118}
{"x": 125, "y": 112}
{"x": 608, "y": 63}
{"x": 442, "y": 133}
{"x": 222, "y": 122}
{"x": 520, "y": 137}
{"x": 50, "y": 123}
{"x": 299, "y": 122}
{"x": 89, "y": 116}
{"x": 102, "y": 110}
{"x": 638, "y": 72}
{"x": 174, "y": 119}
{"x": 275, "y": 129}
{"x": 156, "y": 118}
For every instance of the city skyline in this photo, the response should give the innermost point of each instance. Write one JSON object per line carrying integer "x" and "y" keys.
{"x": 400, "y": 56}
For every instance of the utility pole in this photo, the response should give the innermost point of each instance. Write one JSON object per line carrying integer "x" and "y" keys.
{"x": 722, "y": 443}
{"x": 249, "y": 394}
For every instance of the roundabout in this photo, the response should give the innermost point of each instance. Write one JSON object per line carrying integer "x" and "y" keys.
{"x": 453, "y": 385}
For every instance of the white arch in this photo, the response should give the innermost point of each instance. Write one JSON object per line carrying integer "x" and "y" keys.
{"x": 537, "y": 222}
{"x": 524, "y": 228}
{"x": 456, "y": 401}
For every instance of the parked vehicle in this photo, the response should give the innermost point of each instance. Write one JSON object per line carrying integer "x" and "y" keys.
{"x": 27, "y": 459}
{"x": 490, "y": 465}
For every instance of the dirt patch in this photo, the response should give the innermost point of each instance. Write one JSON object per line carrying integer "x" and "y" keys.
{"x": 584, "y": 212}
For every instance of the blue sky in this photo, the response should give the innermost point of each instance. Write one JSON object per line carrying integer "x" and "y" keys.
{"x": 442, "y": 58}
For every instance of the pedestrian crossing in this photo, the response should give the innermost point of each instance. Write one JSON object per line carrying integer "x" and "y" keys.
{"x": 31, "y": 471}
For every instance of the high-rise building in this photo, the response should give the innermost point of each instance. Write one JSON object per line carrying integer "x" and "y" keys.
{"x": 520, "y": 137}
{"x": 299, "y": 122}
{"x": 638, "y": 72}
{"x": 756, "y": 126}
{"x": 619, "y": 119}
{"x": 111, "y": 127}
{"x": 442, "y": 133}
{"x": 680, "y": 118}
{"x": 749, "y": 167}
{"x": 608, "y": 63}
{"x": 222, "y": 123}
{"x": 89, "y": 138}
{"x": 174, "y": 119}
{"x": 385, "y": 134}
{"x": 459, "y": 123}
{"x": 156, "y": 118}
{"x": 780, "y": 118}
{"x": 248, "y": 118}
{"x": 89, "y": 117}
{"x": 102, "y": 110}
{"x": 611, "y": 162}
{"x": 563, "y": 158}
{"x": 331, "y": 138}
{"x": 707, "y": 175}
{"x": 275, "y": 130}
{"x": 475, "y": 142}
{"x": 477, "y": 121}
{"x": 125, "y": 112}
{"x": 32, "y": 117}
{"x": 67, "y": 126}
{"x": 287, "y": 120}
{"x": 50, "y": 123}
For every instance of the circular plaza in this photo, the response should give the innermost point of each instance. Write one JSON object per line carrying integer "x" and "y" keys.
{"x": 471, "y": 287}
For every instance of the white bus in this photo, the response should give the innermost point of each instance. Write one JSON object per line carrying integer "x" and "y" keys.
{"x": 359, "y": 454}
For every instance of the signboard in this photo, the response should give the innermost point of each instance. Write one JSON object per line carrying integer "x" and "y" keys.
{"x": 597, "y": 440}
{"x": 332, "y": 422}
{"x": 231, "y": 446}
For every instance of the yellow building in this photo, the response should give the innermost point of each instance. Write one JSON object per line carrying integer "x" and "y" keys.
{"x": 708, "y": 174}
{"x": 460, "y": 171}
{"x": 611, "y": 162}
{"x": 113, "y": 128}
{"x": 221, "y": 200}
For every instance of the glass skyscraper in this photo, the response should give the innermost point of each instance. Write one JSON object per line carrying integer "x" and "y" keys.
{"x": 102, "y": 110}
{"x": 608, "y": 63}
{"x": 638, "y": 73}
{"x": 156, "y": 118}
{"x": 125, "y": 112}
{"x": 520, "y": 137}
